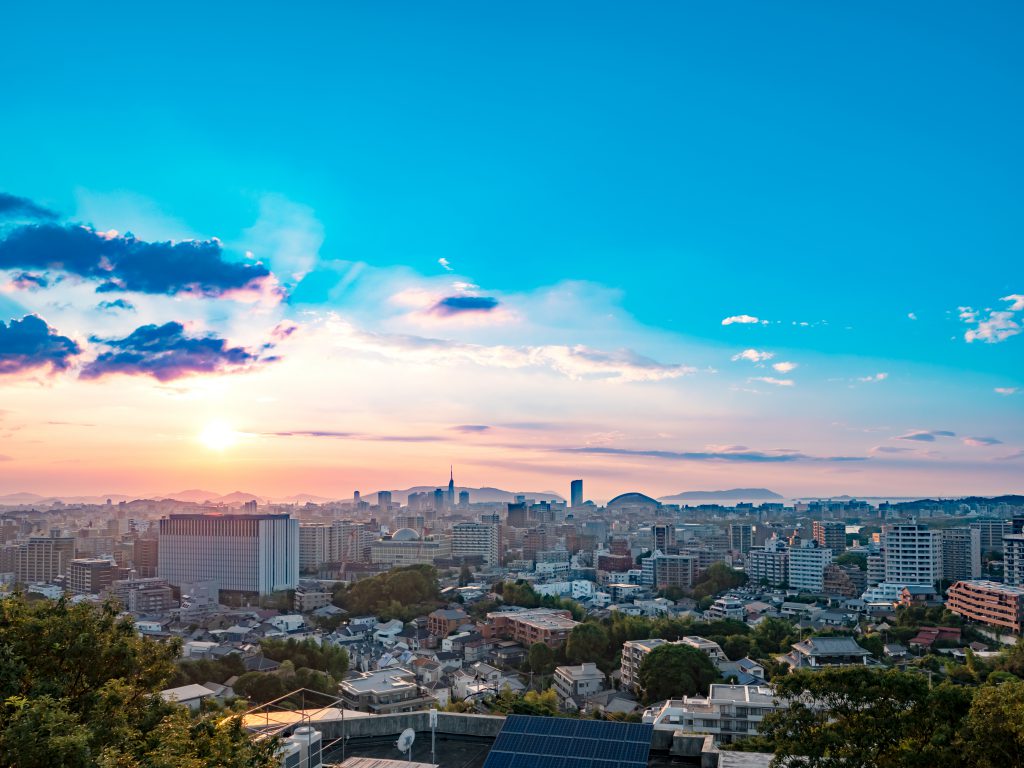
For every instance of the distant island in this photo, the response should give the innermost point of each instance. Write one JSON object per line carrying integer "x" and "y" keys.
{"x": 733, "y": 494}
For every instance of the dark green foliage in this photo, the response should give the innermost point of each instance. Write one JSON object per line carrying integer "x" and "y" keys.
{"x": 674, "y": 671}
{"x": 328, "y": 658}
{"x": 541, "y": 659}
{"x": 78, "y": 688}
{"x": 522, "y": 594}
{"x": 852, "y": 558}
{"x": 207, "y": 670}
{"x": 587, "y": 642}
{"x": 718, "y": 578}
{"x": 401, "y": 593}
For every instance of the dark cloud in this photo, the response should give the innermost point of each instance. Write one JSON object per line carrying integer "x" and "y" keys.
{"x": 116, "y": 304}
{"x": 125, "y": 263}
{"x": 732, "y": 456}
{"x": 469, "y": 428}
{"x": 455, "y": 305}
{"x": 30, "y": 344}
{"x": 14, "y": 206}
{"x": 165, "y": 352}
{"x": 27, "y": 281}
{"x": 926, "y": 436}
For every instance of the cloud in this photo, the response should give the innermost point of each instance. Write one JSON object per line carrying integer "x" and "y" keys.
{"x": 743, "y": 320}
{"x": 1018, "y": 454}
{"x": 471, "y": 428}
{"x": 981, "y": 442}
{"x": 912, "y": 315}
{"x": 877, "y": 377}
{"x": 784, "y": 367}
{"x": 110, "y": 306}
{"x": 125, "y": 263}
{"x": 286, "y": 234}
{"x": 30, "y": 344}
{"x": 998, "y": 326}
{"x": 890, "y": 449}
{"x": 926, "y": 436}
{"x": 445, "y": 264}
{"x": 12, "y": 206}
{"x": 753, "y": 355}
{"x": 723, "y": 456}
{"x": 577, "y": 362}
{"x": 457, "y": 305}
{"x": 29, "y": 281}
{"x": 1007, "y": 390}
{"x": 773, "y": 381}
{"x": 356, "y": 436}
{"x": 166, "y": 353}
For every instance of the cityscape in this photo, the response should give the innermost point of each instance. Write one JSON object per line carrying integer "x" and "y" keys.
{"x": 566, "y": 385}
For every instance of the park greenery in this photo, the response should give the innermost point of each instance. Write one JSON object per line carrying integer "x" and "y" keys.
{"x": 79, "y": 688}
{"x": 674, "y": 671}
{"x": 401, "y": 593}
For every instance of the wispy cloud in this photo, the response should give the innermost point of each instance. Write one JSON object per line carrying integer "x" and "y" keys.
{"x": 1007, "y": 390}
{"x": 874, "y": 378}
{"x": 471, "y": 428}
{"x": 12, "y": 206}
{"x": 981, "y": 442}
{"x": 926, "y": 436}
{"x": 356, "y": 436}
{"x": 784, "y": 366}
{"x": 457, "y": 305}
{"x": 756, "y": 457}
{"x": 773, "y": 381}
{"x": 445, "y": 264}
{"x": 753, "y": 355}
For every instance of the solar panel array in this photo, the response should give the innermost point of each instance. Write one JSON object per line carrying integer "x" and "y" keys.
{"x": 553, "y": 742}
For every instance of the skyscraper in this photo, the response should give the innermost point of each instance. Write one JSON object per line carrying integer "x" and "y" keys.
{"x": 576, "y": 493}
{"x": 449, "y": 500}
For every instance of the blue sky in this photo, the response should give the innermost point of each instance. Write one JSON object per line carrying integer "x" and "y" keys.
{"x": 844, "y": 167}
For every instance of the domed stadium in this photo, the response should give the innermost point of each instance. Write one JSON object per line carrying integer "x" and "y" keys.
{"x": 633, "y": 499}
{"x": 405, "y": 534}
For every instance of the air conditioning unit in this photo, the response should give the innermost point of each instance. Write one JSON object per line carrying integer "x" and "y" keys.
{"x": 310, "y": 742}
{"x": 289, "y": 754}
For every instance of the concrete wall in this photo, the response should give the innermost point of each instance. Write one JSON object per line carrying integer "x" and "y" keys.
{"x": 376, "y": 726}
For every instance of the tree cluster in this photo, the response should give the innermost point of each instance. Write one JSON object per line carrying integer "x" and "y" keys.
{"x": 79, "y": 688}
{"x": 401, "y": 593}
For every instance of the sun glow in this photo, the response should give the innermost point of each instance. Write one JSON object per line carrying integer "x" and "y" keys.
{"x": 218, "y": 436}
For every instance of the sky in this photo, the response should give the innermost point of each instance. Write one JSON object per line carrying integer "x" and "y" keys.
{"x": 333, "y": 246}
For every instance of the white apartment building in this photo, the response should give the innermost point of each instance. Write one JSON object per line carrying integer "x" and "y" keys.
{"x": 1013, "y": 559}
{"x": 769, "y": 563}
{"x": 633, "y": 653}
{"x": 578, "y": 682}
{"x": 913, "y": 554}
{"x": 961, "y": 554}
{"x": 477, "y": 540}
{"x": 315, "y": 546}
{"x": 257, "y": 554}
{"x": 807, "y": 566}
{"x": 728, "y": 712}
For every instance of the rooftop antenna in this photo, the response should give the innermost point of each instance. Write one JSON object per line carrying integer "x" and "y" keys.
{"x": 404, "y": 743}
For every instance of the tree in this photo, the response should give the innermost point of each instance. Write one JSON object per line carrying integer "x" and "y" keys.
{"x": 79, "y": 687}
{"x": 994, "y": 735}
{"x": 773, "y": 635}
{"x": 587, "y": 642}
{"x": 858, "y": 717}
{"x": 541, "y": 658}
{"x": 736, "y": 647}
{"x": 465, "y": 575}
{"x": 673, "y": 671}
{"x": 308, "y": 653}
{"x": 852, "y": 558}
{"x": 718, "y": 578}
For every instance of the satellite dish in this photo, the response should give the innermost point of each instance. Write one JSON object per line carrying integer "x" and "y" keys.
{"x": 405, "y": 741}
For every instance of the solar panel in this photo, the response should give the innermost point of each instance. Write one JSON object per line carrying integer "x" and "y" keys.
{"x": 556, "y": 742}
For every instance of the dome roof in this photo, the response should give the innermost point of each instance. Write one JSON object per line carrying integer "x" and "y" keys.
{"x": 633, "y": 499}
{"x": 405, "y": 534}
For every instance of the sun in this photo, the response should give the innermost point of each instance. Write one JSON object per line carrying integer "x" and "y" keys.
{"x": 217, "y": 436}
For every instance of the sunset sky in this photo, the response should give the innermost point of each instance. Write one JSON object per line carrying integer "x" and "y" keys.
{"x": 661, "y": 247}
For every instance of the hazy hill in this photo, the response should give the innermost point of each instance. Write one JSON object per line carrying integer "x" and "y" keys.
{"x": 733, "y": 494}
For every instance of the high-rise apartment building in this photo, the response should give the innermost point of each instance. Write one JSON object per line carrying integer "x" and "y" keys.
{"x": 145, "y": 556}
{"x": 807, "y": 566}
{"x": 384, "y": 500}
{"x": 991, "y": 533}
{"x": 90, "y": 576}
{"x": 316, "y": 547}
{"x": 830, "y": 534}
{"x": 961, "y": 553}
{"x": 741, "y": 537}
{"x": 252, "y": 554}
{"x": 664, "y": 535}
{"x": 913, "y": 554}
{"x": 672, "y": 570}
{"x": 43, "y": 558}
{"x": 768, "y": 564}
{"x": 1013, "y": 559}
{"x": 477, "y": 540}
{"x": 576, "y": 493}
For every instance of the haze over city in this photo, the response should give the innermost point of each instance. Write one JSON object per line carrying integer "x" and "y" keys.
{"x": 532, "y": 254}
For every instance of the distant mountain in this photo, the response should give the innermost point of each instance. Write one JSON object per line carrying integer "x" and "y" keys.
{"x": 1010, "y": 499}
{"x": 238, "y": 497}
{"x": 194, "y": 495}
{"x": 302, "y": 498}
{"x": 21, "y": 498}
{"x": 476, "y": 495}
{"x": 733, "y": 494}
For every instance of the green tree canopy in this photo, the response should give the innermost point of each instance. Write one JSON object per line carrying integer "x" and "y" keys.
{"x": 674, "y": 671}
{"x": 308, "y": 653}
{"x": 587, "y": 642}
{"x": 994, "y": 735}
{"x": 541, "y": 658}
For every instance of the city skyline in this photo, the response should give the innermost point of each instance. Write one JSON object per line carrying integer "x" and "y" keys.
{"x": 537, "y": 246}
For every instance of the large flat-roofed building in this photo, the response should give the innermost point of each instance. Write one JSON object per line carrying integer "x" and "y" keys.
{"x": 728, "y": 712}
{"x": 384, "y": 691}
{"x": 991, "y": 533}
{"x": 43, "y": 558}
{"x": 1013, "y": 559}
{"x": 769, "y": 564}
{"x": 405, "y": 547}
{"x": 830, "y": 534}
{"x": 988, "y": 602}
{"x": 90, "y": 576}
{"x": 961, "y": 553}
{"x": 550, "y": 626}
{"x": 913, "y": 554}
{"x": 633, "y": 653}
{"x": 477, "y": 540}
{"x": 253, "y": 554}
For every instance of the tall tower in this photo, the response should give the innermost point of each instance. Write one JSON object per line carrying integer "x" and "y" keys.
{"x": 576, "y": 493}
{"x": 450, "y": 496}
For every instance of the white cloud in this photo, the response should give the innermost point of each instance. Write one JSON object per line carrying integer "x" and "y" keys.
{"x": 877, "y": 377}
{"x": 753, "y": 355}
{"x": 784, "y": 366}
{"x": 1007, "y": 390}
{"x": 773, "y": 380}
{"x": 999, "y": 325}
{"x": 743, "y": 320}
{"x": 445, "y": 264}
{"x": 912, "y": 315}
{"x": 286, "y": 235}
